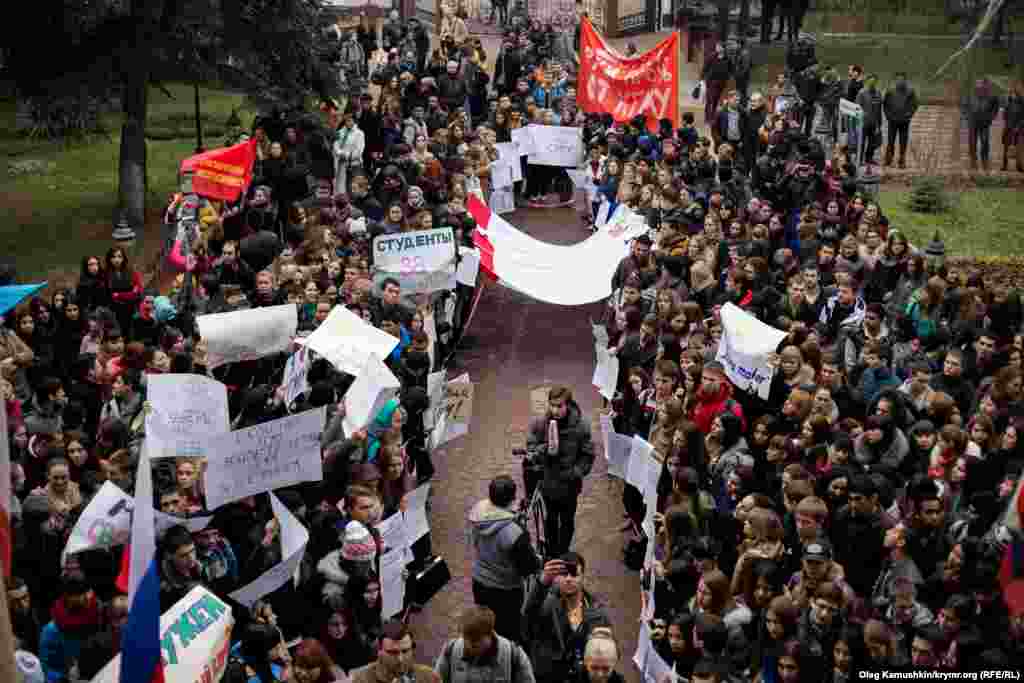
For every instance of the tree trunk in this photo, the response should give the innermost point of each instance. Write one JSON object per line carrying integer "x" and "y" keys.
{"x": 132, "y": 165}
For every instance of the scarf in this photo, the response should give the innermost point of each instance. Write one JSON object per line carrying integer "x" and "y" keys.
{"x": 67, "y": 620}
{"x": 381, "y": 424}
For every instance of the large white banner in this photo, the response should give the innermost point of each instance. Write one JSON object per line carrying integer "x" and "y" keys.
{"x": 269, "y": 456}
{"x": 375, "y": 386}
{"x": 545, "y": 271}
{"x": 294, "y": 538}
{"x": 346, "y": 341}
{"x": 556, "y": 146}
{"x": 421, "y": 261}
{"x": 187, "y": 405}
{"x": 747, "y": 343}
{"x": 249, "y": 334}
{"x": 104, "y": 523}
{"x": 195, "y": 639}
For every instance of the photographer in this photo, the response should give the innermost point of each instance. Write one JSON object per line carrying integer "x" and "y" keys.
{"x": 560, "y": 598}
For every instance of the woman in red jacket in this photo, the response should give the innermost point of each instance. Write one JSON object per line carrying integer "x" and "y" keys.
{"x": 124, "y": 285}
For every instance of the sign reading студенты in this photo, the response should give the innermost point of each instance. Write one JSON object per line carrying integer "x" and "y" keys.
{"x": 421, "y": 261}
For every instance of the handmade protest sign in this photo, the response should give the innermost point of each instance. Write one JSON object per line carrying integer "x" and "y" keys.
{"x": 745, "y": 349}
{"x": 457, "y": 412}
{"x": 195, "y": 640}
{"x": 295, "y": 371}
{"x": 294, "y": 538}
{"x": 617, "y": 448}
{"x": 265, "y": 457}
{"x": 469, "y": 266}
{"x": 556, "y": 146}
{"x": 163, "y": 521}
{"x": 501, "y": 174}
{"x": 375, "y": 386}
{"x": 106, "y": 522}
{"x": 187, "y": 405}
{"x": 346, "y": 341}
{"x": 606, "y": 372}
{"x": 422, "y": 261}
{"x": 247, "y": 334}
{"x": 416, "y": 523}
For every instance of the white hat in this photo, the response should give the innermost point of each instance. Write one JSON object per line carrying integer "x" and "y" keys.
{"x": 30, "y": 670}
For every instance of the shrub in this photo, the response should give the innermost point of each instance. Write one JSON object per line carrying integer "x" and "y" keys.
{"x": 928, "y": 195}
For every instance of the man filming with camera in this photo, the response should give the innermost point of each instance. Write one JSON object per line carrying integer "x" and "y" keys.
{"x": 557, "y": 600}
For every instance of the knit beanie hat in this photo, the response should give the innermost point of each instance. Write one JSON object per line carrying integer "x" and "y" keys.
{"x": 358, "y": 545}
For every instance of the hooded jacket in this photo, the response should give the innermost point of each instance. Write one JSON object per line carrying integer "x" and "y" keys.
{"x": 504, "y": 554}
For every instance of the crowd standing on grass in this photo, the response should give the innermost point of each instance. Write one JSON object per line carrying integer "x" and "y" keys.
{"x": 848, "y": 523}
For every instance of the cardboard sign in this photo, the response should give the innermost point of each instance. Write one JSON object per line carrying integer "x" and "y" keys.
{"x": 421, "y": 261}
{"x": 375, "y": 386}
{"x": 247, "y": 334}
{"x": 269, "y": 456}
{"x": 556, "y": 146}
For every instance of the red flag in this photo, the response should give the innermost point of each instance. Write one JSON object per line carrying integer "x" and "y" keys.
{"x": 223, "y": 173}
{"x": 626, "y": 86}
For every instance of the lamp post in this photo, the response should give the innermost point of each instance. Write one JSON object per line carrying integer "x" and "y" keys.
{"x": 199, "y": 122}
{"x": 123, "y": 232}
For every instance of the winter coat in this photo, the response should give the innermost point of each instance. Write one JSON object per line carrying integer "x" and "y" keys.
{"x": 510, "y": 664}
{"x": 980, "y": 108}
{"x": 893, "y": 456}
{"x": 871, "y": 102}
{"x": 900, "y": 102}
{"x": 551, "y": 640}
{"x": 564, "y": 471}
{"x": 504, "y": 554}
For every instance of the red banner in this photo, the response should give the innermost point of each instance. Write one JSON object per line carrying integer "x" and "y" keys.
{"x": 623, "y": 86}
{"x": 223, "y": 173}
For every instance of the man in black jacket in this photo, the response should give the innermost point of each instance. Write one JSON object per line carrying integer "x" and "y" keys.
{"x": 562, "y": 444}
{"x": 899, "y": 105}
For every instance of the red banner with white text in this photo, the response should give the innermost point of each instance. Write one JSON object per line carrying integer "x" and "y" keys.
{"x": 223, "y": 173}
{"x": 623, "y": 86}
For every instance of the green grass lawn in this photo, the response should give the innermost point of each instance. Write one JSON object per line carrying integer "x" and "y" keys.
{"x": 983, "y": 222}
{"x": 887, "y": 57}
{"x": 55, "y": 219}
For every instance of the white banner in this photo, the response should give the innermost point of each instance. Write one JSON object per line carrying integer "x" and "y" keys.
{"x": 617, "y": 448}
{"x": 421, "y": 261}
{"x": 295, "y": 372}
{"x": 248, "y": 334}
{"x": 104, "y": 523}
{"x": 269, "y": 456}
{"x": 502, "y": 201}
{"x": 346, "y": 341}
{"x": 195, "y": 639}
{"x": 745, "y": 348}
{"x": 187, "y": 405}
{"x": 375, "y": 386}
{"x": 522, "y": 138}
{"x": 163, "y": 521}
{"x": 556, "y": 146}
{"x": 501, "y": 174}
{"x": 294, "y": 538}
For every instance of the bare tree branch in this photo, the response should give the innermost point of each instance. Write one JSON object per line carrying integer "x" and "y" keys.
{"x": 993, "y": 8}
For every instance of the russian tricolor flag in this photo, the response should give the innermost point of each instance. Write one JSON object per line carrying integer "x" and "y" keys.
{"x": 140, "y": 646}
{"x": 1011, "y": 574}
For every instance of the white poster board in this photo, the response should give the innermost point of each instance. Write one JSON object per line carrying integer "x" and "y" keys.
{"x": 188, "y": 405}
{"x": 745, "y": 348}
{"x": 269, "y": 456}
{"x": 346, "y": 341}
{"x": 522, "y": 138}
{"x": 295, "y": 372}
{"x": 606, "y": 372}
{"x": 104, "y": 523}
{"x": 375, "y": 386}
{"x": 556, "y": 146}
{"x": 248, "y": 334}
{"x": 422, "y": 261}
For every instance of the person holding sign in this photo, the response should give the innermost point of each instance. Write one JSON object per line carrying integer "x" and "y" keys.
{"x": 562, "y": 445}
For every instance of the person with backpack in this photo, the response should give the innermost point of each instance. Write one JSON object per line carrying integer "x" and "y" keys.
{"x": 481, "y": 654}
{"x": 504, "y": 556}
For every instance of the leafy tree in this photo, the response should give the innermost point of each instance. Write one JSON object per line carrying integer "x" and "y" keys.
{"x": 94, "y": 47}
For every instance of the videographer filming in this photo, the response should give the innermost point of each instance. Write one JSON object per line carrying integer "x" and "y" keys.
{"x": 561, "y": 444}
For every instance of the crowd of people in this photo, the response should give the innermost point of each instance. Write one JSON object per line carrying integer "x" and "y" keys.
{"x": 848, "y": 523}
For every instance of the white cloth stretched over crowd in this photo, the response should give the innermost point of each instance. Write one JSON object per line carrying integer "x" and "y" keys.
{"x": 568, "y": 275}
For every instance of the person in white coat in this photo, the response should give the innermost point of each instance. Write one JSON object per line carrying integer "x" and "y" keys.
{"x": 348, "y": 151}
